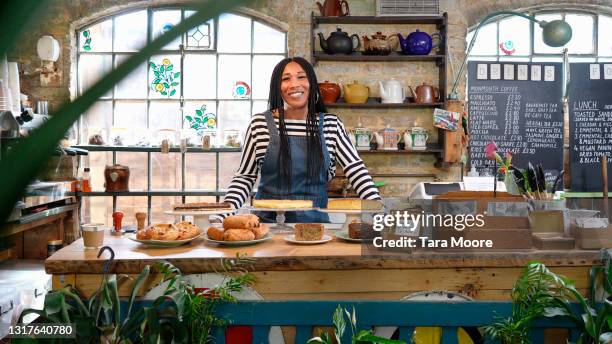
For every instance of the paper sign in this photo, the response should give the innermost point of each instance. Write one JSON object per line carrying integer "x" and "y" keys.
{"x": 446, "y": 119}
{"x": 508, "y": 72}
{"x": 522, "y": 72}
{"x": 495, "y": 71}
{"x": 549, "y": 73}
{"x": 594, "y": 71}
{"x": 608, "y": 71}
{"x": 481, "y": 73}
{"x": 536, "y": 73}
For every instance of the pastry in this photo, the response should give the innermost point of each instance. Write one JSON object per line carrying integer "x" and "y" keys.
{"x": 353, "y": 204}
{"x": 260, "y": 231}
{"x": 241, "y": 221}
{"x": 309, "y": 231}
{"x": 215, "y": 233}
{"x": 144, "y": 234}
{"x": 282, "y": 203}
{"x": 238, "y": 234}
{"x": 164, "y": 231}
{"x": 203, "y": 206}
{"x": 361, "y": 230}
{"x": 187, "y": 230}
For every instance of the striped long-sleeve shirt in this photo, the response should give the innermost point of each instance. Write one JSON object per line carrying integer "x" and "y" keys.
{"x": 340, "y": 149}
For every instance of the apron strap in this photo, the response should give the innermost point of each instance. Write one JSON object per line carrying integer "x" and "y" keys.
{"x": 272, "y": 129}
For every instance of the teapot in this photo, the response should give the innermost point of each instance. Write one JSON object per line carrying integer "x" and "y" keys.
{"x": 390, "y": 138}
{"x": 329, "y": 91}
{"x": 363, "y": 137}
{"x": 379, "y": 44}
{"x": 425, "y": 94}
{"x": 339, "y": 42}
{"x": 333, "y": 8}
{"x": 391, "y": 91}
{"x": 418, "y": 43}
{"x": 356, "y": 93}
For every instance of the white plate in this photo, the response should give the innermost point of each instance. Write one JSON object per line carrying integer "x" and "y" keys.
{"x": 199, "y": 212}
{"x": 239, "y": 243}
{"x": 162, "y": 243}
{"x": 291, "y": 238}
{"x": 277, "y": 209}
{"x": 345, "y": 236}
{"x": 347, "y": 211}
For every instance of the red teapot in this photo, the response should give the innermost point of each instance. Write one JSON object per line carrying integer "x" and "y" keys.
{"x": 334, "y": 8}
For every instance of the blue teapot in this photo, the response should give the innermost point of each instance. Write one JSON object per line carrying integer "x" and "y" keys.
{"x": 418, "y": 43}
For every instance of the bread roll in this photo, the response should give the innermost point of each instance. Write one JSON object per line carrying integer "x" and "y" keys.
{"x": 164, "y": 231}
{"x": 238, "y": 234}
{"x": 241, "y": 221}
{"x": 260, "y": 231}
{"x": 187, "y": 230}
{"x": 144, "y": 234}
{"x": 215, "y": 233}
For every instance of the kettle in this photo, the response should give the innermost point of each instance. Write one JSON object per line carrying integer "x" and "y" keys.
{"x": 333, "y": 8}
{"x": 425, "y": 94}
{"x": 391, "y": 91}
{"x": 339, "y": 42}
{"x": 418, "y": 43}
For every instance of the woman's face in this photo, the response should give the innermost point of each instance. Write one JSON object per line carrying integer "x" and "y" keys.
{"x": 295, "y": 86}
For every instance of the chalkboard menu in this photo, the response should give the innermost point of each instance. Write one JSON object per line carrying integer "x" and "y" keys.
{"x": 517, "y": 105}
{"x": 590, "y": 114}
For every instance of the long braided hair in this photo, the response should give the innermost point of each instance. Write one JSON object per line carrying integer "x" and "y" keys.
{"x": 315, "y": 106}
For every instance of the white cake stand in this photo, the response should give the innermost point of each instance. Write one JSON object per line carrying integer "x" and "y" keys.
{"x": 280, "y": 227}
{"x": 351, "y": 215}
{"x": 200, "y": 217}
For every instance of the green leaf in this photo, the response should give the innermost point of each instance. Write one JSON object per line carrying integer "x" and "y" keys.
{"x": 199, "y": 112}
{"x": 198, "y": 120}
{"x": 380, "y": 340}
{"x": 163, "y": 93}
{"x": 156, "y": 81}
{"x": 166, "y": 85}
{"x": 152, "y": 65}
{"x": 87, "y": 47}
{"x": 86, "y": 33}
{"x": 177, "y": 74}
{"x": 169, "y": 67}
{"x": 175, "y": 83}
{"x": 162, "y": 68}
{"x": 54, "y": 302}
{"x": 189, "y": 118}
{"x": 157, "y": 75}
{"x": 172, "y": 93}
{"x": 135, "y": 289}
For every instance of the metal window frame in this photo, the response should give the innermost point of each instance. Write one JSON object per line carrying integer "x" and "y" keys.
{"x": 183, "y": 192}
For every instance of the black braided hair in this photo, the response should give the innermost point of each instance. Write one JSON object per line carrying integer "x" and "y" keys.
{"x": 315, "y": 106}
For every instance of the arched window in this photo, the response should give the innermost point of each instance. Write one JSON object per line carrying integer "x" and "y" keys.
{"x": 211, "y": 79}
{"x": 517, "y": 39}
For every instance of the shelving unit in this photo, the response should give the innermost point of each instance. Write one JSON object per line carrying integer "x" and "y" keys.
{"x": 437, "y": 58}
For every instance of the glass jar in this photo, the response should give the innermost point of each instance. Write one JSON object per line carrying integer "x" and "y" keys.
{"x": 232, "y": 138}
{"x": 168, "y": 135}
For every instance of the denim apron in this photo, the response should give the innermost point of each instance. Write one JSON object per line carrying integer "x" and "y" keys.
{"x": 268, "y": 182}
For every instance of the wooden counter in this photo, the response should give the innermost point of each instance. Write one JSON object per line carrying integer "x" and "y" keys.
{"x": 335, "y": 270}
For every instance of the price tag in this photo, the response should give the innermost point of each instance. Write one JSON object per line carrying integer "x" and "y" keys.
{"x": 495, "y": 71}
{"x": 549, "y": 73}
{"x": 608, "y": 71}
{"x": 522, "y": 72}
{"x": 594, "y": 71}
{"x": 481, "y": 73}
{"x": 508, "y": 72}
{"x": 536, "y": 73}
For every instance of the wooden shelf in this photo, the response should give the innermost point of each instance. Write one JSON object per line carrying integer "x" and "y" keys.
{"x": 151, "y": 193}
{"x": 375, "y": 103}
{"x": 431, "y": 148}
{"x": 103, "y": 148}
{"x": 421, "y": 19}
{"x": 359, "y": 56}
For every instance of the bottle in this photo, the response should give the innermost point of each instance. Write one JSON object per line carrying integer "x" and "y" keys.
{"x": 85, "y": 184}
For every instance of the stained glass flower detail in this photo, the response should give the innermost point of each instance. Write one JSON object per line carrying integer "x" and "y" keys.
{"x": 87, "y": 43}
{"x": 202, "y": 120}
{"x": 166, "y": 80}
{"x": 507, "y": 47}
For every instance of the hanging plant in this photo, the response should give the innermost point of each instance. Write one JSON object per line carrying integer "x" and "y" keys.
{"x": 87, "y": 43}
{"x": 165, "y": 80}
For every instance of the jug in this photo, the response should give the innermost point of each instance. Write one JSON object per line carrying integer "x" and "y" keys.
{"x": 391, "y": 91}
{"x": 339, "y": 42}
{"x": 425, "y": 94}
{"x": 419, "y": 138}
{"x": 418, "y": 43}
{"x": 363, "y": 137}
{"x": 390, "y": 138}
{"x": 333, "y": 8}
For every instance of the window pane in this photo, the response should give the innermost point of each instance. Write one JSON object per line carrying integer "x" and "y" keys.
{"x": 486, "y": 41}
{"x": 234, "y": 115}
{"x": 131, "y": 31}
{"x": 165, "y": 115}
{"x": 201, "y": 36}
{"x": 605, "y": 41}
{"x": 96, "y": 162}
{"x": 96, "y": 121}
{"x": 137, "y": 162}
{"x": 267, "y": 39}
{"x": 200, "y": 76}
{"x": 132, "y": 115}
{"x": 166, "y": 171}
{"x": 259, "y": 106}
{"x": 130, "y": 205}
{"x": 165, "y": 76}
{"x": 514, "y": 36}
{"x": 200, "y": 115}
{"x": 234, "y": 34}
{"x": 582, "y": 34}
{"x": 98, "y": 37}
{"x": 233, "y": 69}
{"x": 538, "y": 44}
{"x": 228, "y": 165}
{"x": 161, "y": 204}
{"x": 200, "y": 172}
{"x": 164, "y": 21}
{"x": 262, "y": 71}
{"x": 134, "y": 85}
{"x": 91, "y": 69}
{"x": 97, "y": 209}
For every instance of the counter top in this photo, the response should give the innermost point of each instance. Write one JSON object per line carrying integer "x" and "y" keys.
{"x": 278, "y": 255}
